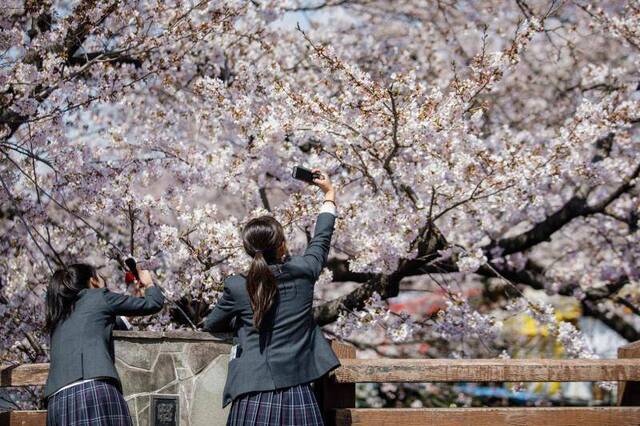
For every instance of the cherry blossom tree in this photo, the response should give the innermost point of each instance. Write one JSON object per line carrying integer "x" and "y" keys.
{"x": 489, "y": 142}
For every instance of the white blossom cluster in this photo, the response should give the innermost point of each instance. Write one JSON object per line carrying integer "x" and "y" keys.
{"x": 398, "y": 328}
{"x": 459, "y": 321}
{"x": 572, "y": 340}
{"x": 470, "y": 262}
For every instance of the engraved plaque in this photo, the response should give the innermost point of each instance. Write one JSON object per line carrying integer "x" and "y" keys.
{"x": 165, "y": 410}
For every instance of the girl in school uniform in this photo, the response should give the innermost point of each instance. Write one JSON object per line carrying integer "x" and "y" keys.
{"x": 281, "y": 349}
{"x": 83, "y": 387}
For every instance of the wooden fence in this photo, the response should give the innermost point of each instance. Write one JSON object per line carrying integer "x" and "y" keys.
{"x": 336, "y": 391}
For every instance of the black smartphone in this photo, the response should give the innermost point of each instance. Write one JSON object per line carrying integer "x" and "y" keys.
{"x": 304, "y": 175}
{"x": 131, "y": 264}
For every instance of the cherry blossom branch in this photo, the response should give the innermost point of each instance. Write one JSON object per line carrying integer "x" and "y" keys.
{"x": 590, "y": 299}
{"x": 576, "y": 207}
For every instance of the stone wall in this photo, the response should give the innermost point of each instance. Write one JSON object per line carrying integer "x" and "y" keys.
{"x": 190, "y": 364}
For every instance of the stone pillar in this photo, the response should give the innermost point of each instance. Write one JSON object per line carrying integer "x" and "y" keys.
{"x": 190, "y": 364}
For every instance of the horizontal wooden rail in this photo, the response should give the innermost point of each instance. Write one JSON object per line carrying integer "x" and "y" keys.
{"x": 486, "y": 370}
{"x": 566, "y": 416}
{"x": 23, "y": 418}
{"x": 431, "y": 370}
{"x": 24, "y": 375}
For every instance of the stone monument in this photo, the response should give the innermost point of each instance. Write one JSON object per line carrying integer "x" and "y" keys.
{"x": 184, "y": 371}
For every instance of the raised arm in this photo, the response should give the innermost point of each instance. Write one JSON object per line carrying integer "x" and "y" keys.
{"x": 121, "y": 304}
{"x": 316, "y": 253}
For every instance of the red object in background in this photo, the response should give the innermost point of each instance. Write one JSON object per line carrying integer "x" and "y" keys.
{"x": 129, "y": 278}
{"x": 425, "y": 306}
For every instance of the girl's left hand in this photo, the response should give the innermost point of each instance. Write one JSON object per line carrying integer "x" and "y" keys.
{"x": 144, "y": 283}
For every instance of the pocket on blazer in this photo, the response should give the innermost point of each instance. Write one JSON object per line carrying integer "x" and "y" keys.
{"x": 287, "y": 291}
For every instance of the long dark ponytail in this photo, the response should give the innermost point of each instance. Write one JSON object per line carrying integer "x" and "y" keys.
{"x": 262, "y": 237}
{"x": 63, "y": 289}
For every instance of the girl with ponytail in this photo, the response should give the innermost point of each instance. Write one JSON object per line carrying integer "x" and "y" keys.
{"x": 280, "y": 350}
{"x": 83, "y": 387}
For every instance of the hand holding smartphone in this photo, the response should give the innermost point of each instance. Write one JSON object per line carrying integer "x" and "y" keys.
{"x": 305, "y": 175}
{"x": 132, "y": 267}
{"x": 314, "y": 177}
{"x": 139, "y": 277}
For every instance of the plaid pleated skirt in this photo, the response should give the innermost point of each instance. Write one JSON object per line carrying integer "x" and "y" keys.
{"x": 92, "y": 403}
{"x": 294, "y": 405}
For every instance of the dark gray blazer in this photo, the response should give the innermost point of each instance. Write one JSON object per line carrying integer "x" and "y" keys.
{"x": 81, "y": 345}
{"x": 291, "y": 349}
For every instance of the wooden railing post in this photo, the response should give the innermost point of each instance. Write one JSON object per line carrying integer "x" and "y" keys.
{"x": 330, "y": 394}
{"x": 629, "y": 392}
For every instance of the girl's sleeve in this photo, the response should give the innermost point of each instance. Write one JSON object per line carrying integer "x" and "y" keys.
{"x": 121, "y": 304}
{"x": 220, "y": 317}
{"x": 315, "y": 256}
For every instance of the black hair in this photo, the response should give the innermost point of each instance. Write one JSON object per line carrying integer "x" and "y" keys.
{"x": 63, "y": 289}
{"x": 262, "y": 237}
